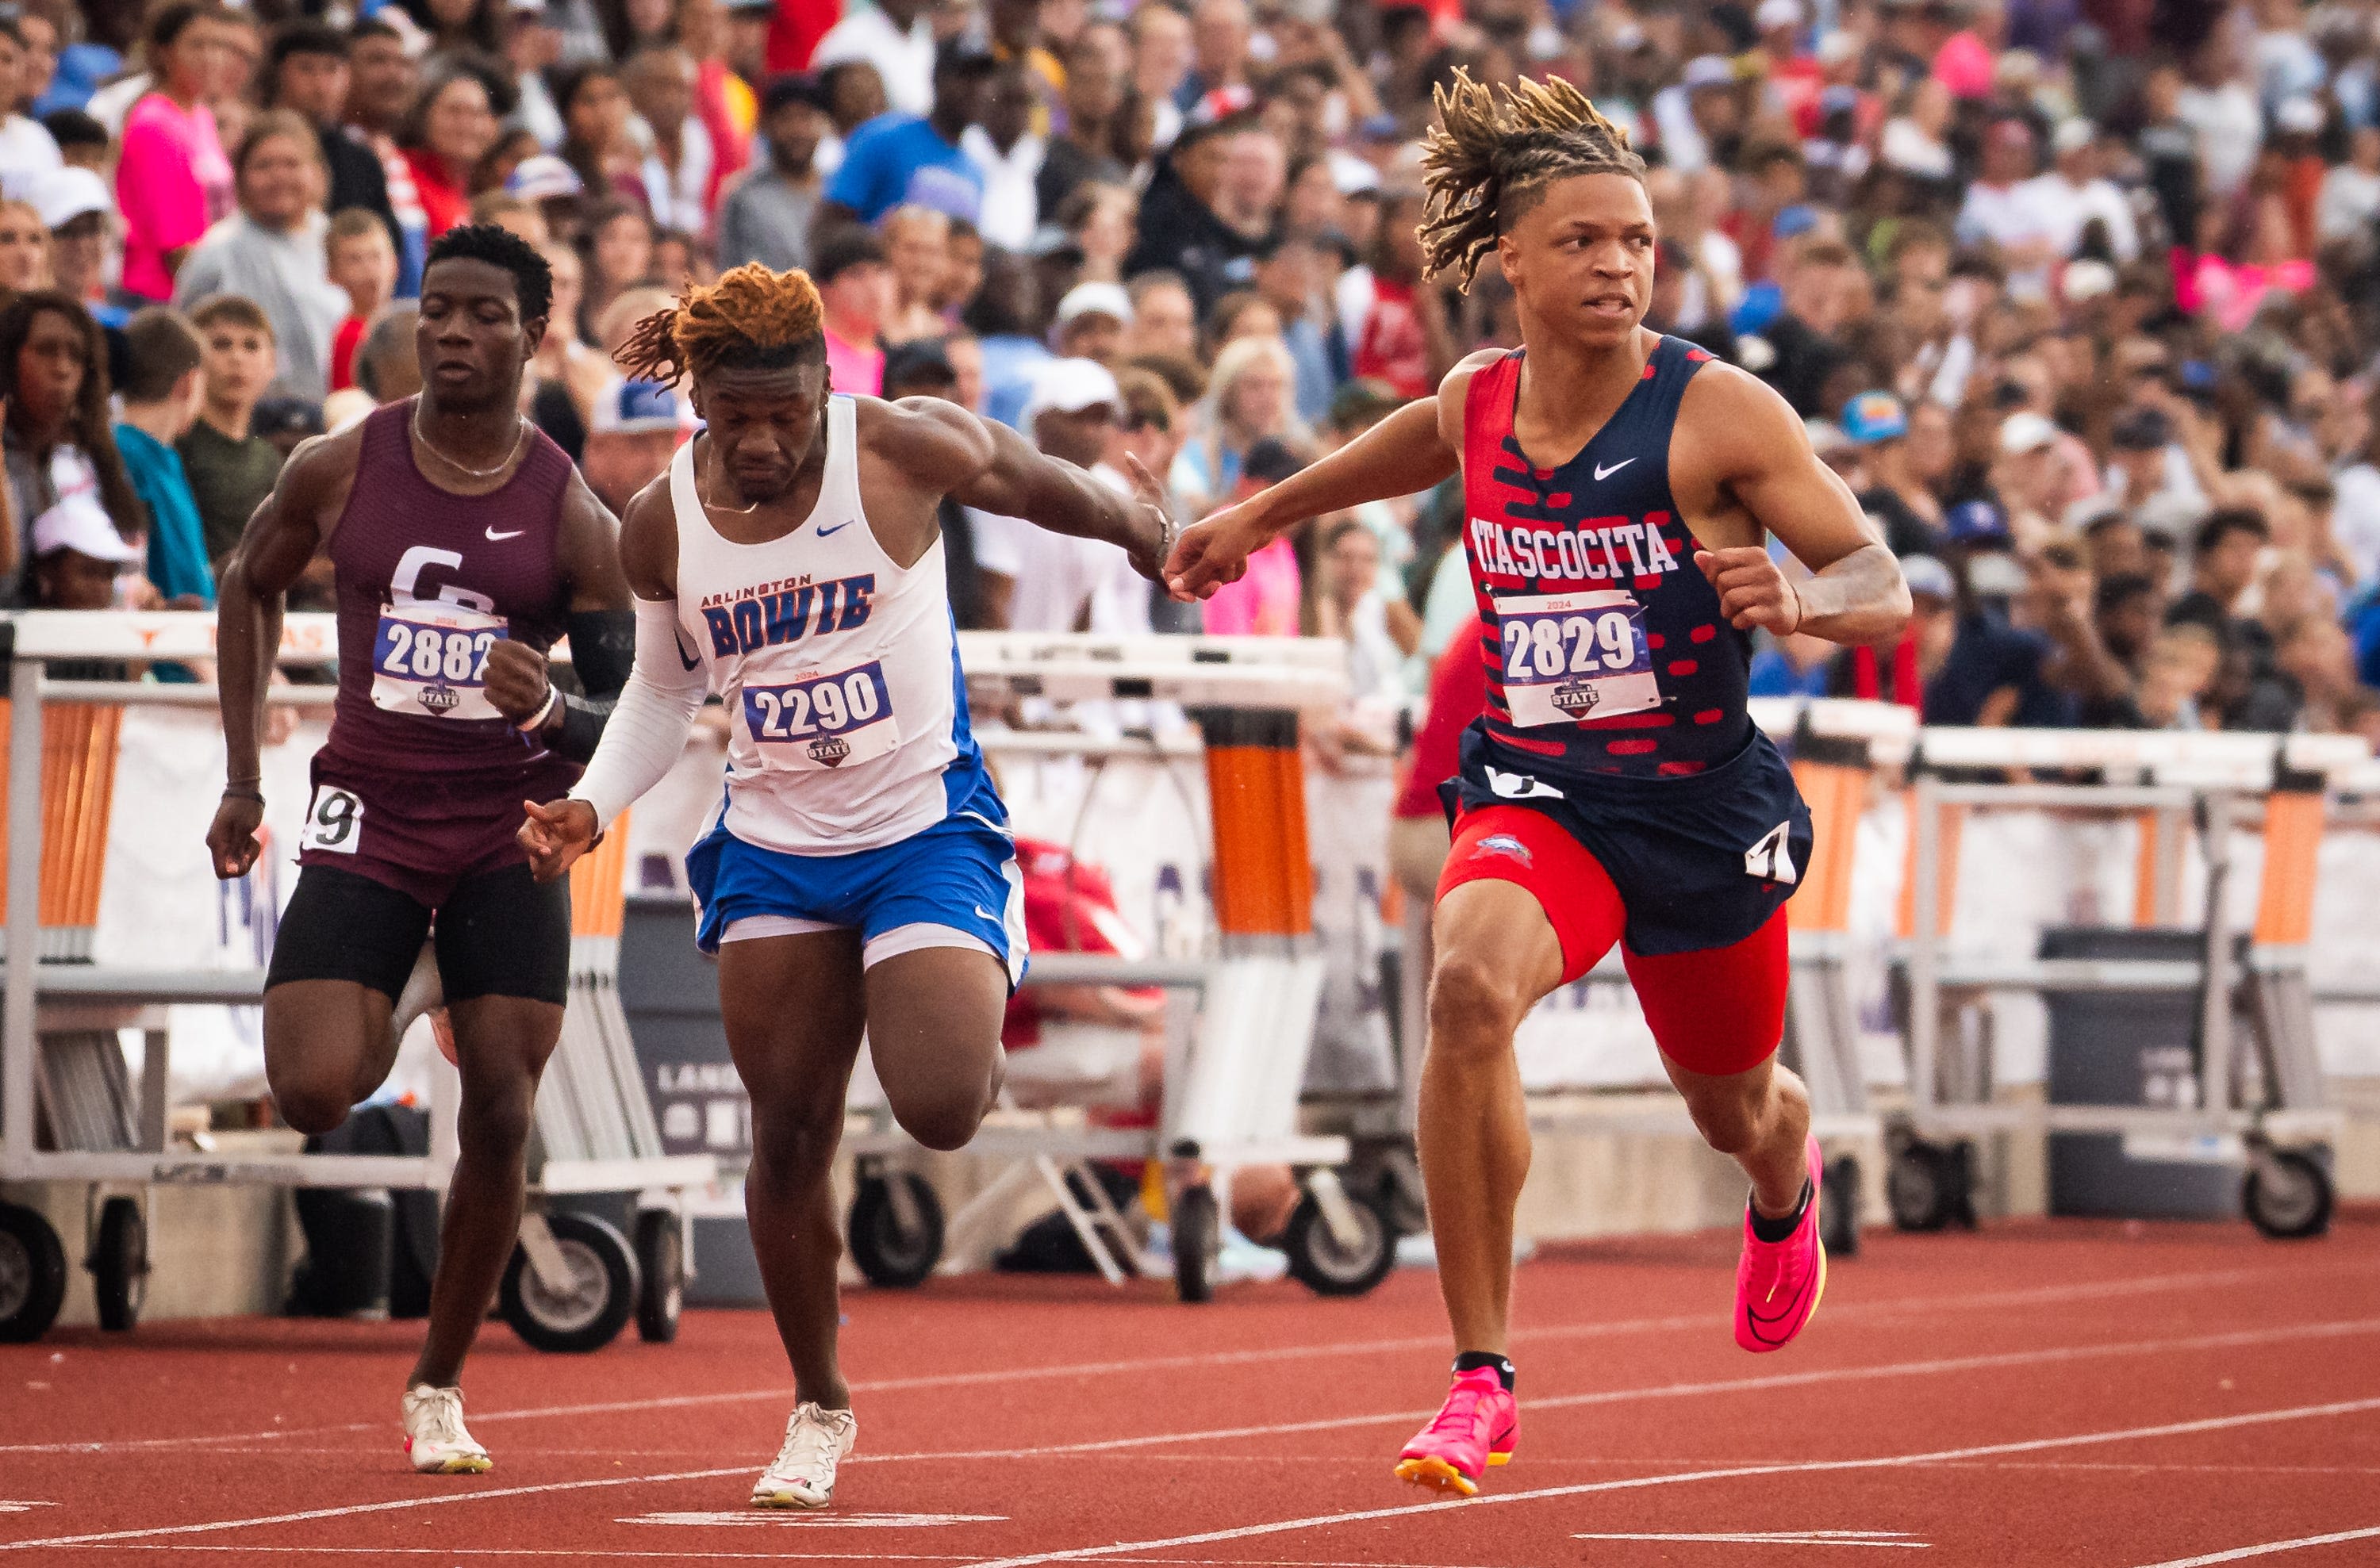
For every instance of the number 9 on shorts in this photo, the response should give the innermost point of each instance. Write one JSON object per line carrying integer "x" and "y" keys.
{"x": 335, "y": 822}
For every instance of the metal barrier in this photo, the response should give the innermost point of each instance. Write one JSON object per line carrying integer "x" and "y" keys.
{"x": 67, "y": 1109}
{"x": 2169, "y": 782}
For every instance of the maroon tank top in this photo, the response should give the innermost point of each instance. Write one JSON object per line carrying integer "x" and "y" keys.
{"x": 428, "y": 581}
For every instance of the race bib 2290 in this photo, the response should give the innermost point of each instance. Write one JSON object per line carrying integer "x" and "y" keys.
{"x": 822, "y": 720}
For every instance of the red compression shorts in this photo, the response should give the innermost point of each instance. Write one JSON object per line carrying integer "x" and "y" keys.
{"x": 1717, "y": 1011}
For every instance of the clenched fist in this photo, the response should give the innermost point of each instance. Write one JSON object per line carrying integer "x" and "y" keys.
{"x": 1752, "y": 590}
{"x": 517, "y": 681}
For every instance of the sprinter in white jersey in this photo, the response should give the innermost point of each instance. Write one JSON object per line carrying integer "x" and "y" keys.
{"x": 859, "y": 872}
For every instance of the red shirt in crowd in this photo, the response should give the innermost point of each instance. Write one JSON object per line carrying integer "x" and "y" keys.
{"x": 1458, "y": 694}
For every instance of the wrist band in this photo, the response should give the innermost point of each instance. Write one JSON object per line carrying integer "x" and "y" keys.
{"x": 552, "y": 701}
{"x": 245, "y": 791}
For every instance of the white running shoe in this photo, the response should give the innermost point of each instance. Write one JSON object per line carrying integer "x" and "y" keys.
{"x": 802, "y": 1476}
{"x": 434, "y": 1438}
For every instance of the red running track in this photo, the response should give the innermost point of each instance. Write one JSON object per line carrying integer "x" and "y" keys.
{"x": 2067, "y": 1392}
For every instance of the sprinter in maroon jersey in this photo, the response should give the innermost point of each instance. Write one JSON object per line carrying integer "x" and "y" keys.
{"x": 463, "y": 543}
{"x": 1618, "y": 486}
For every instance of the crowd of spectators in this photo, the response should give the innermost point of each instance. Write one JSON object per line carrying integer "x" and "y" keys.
{"x": 2081, "y": 297}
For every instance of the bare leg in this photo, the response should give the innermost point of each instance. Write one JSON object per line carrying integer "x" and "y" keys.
{"x": 933, "y": 1032}
{"x": 1495, "y": 956}
{"x": 793, "y": 1009}
{"x": 326, "y": 1048}
{"x": 1762, "y": 1118}
{"x": 501, "y": 1044}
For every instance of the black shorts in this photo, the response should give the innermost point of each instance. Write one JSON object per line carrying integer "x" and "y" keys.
{"x": 1700, "y": 862}
{"x": 500, "y": 933}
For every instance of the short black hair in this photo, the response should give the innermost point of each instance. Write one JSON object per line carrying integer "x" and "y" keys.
{"x": 371, "y": 26}
{"x": 532, "y": 277}
{"x": 2223, "y": 522}
{"x": 73, "y": 128}
{"x": 848, "y": 246}
{"x": 305, "y": 36}
{"x": 786, "y": 90}
{"x": 1271, "y": 461}
{"x": 167, "y": 22}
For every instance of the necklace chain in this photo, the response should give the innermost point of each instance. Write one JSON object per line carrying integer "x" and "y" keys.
{"x": 520, "y": 434}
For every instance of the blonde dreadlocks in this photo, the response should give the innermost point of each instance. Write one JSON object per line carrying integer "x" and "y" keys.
{"x": 1492, "y": 154}
{"x": 751, "y": 318}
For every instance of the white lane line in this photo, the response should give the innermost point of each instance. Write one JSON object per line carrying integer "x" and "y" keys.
{"x": 1812, "y": 1466}
{"x": 780, "y": 1518}
{"x": 1829, "y": 1375}
{"x": 2146, "y": 1285}
{"x": 1665, "y": 1391}
{"x": 1766, "y": 1537}
{"x": 2269, "y": 1549}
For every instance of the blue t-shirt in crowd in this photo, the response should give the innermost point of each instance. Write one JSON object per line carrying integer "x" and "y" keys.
{"x": 898, "y": 158}
{"x": 1009, "y": 363}
{"x": 1774, "y": 675}
{"x": 1990, "y": 654}
{"x": 178, "y": 544}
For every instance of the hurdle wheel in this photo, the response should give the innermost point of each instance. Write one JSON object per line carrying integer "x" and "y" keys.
{"x": 1839, "y": 1207}
{"x": 588, "y": 1312}
{"x": 119, "y": 1264}
{"x": 1197, "y": 1242}
{"x": 32, "y": 1274}
{"x": 660, "y": 1262}
{"x": 894, "y": 1255}
{"x": 1927, "y": 1187}
{"x": 1321, "y": 1263}
{"x": 2288, "y": 1195}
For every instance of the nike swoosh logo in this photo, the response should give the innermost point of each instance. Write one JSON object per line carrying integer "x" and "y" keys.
{"x": 1603, "y": 473}
{"x": 691, "y": 662}
{"x": 499, "y": 538}
{"x": 985, "y": 913}
{"x": 838, "y": 528}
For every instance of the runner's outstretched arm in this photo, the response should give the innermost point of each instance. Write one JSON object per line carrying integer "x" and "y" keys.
{"x": 1415, "y": 449}
{"x": 645, "y": 733}
{"x": 983, "y": 464}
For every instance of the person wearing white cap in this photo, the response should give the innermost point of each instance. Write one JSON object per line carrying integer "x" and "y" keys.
{"x": 2031, "y": 475}
{"x": 1092, "y": 321}
{"x": 2074, "y": 193}
{"x": 75, "y": 204}
{"x": 1699, "y": 111}
{"x": 78, "y": 556}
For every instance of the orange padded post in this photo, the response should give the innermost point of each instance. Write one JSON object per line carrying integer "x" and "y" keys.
{"x": 1953, "y": 818}
{"x": 599, "y": 885}
{"x": 2293, "y": 821}
{"x": 1255, "y": 792}
{"x": 1835, "y": 793}
{"x": 79, "y": 742}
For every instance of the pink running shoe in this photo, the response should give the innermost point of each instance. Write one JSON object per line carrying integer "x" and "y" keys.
{"x": 1777, "y": 1284}
{"x": 1477, "y": 1429}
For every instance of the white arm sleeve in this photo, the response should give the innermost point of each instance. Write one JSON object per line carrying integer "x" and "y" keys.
{"x": 646, "y": 731}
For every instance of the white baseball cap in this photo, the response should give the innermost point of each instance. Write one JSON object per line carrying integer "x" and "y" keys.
{"x": 77, "y": 522}
{"x": 1096, "y": 299}
{"x": 2025, "y": 431}
{"x": 1069, "y": 386}
{"x": 1777, "y": 14}
{"x": 63, "y": 195}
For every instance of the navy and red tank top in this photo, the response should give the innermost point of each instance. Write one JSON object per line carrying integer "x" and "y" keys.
{"x": 1604, "y": 650}
{"x": 428, "y": 582}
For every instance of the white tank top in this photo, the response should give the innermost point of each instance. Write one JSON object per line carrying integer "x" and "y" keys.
{"x": 847, "y": 723}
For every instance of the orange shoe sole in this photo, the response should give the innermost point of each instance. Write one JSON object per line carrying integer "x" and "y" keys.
{"x": 1439, "y": 1475}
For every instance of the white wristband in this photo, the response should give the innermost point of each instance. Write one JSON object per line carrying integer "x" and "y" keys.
{"x": 552, "y": 701}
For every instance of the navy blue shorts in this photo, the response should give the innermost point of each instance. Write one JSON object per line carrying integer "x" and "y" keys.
{"x": 1700, "y": 862}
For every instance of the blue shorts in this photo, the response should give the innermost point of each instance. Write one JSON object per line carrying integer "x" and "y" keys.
{"x": 959, "y": 876}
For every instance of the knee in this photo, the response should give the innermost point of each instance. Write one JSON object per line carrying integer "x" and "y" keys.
{"x": 312, "y": 1106}
{"x": 1474, "y": 1007}
{"x": 495, "y": 1118}
{"x": 943, "y": 1121}
{"x": 1729, "y": 1118}
{"x": 793, "y": 1144}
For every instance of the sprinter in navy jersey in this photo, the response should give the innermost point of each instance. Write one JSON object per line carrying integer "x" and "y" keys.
{"x": 1618, "y": 490}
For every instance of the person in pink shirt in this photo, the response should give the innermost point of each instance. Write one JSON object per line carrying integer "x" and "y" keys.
{"x": 856, "y": 288}
{"x": 173, "y": 179}
{"x": 1265, "y": 601}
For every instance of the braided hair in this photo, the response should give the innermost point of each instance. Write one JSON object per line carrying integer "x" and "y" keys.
{"x": 751, "y": 319}
{"x": 1494, "y": 151}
